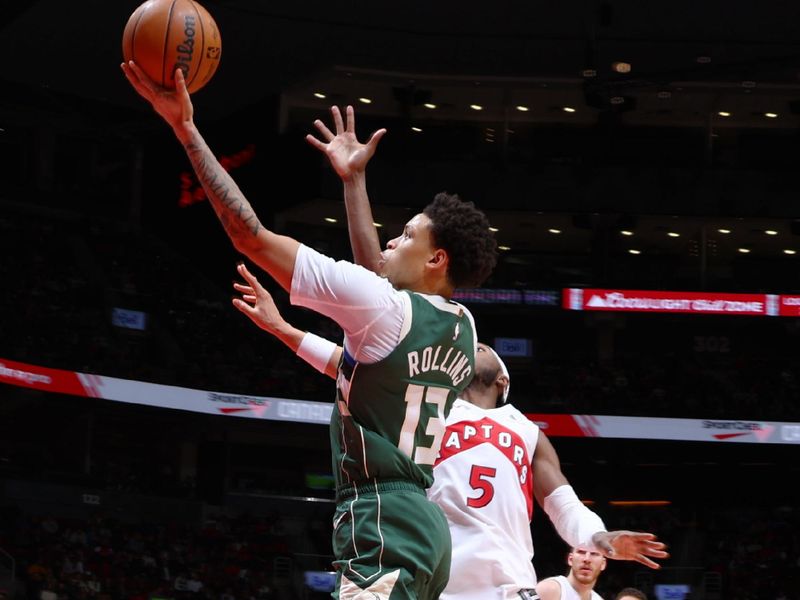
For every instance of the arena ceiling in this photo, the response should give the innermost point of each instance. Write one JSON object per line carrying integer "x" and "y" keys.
{"x": 716, "y": 66}
{"x": 689, "y": 60}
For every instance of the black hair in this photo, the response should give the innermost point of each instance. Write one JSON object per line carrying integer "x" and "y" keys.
{"x": 462, "y": 230}
{"x": 632, "y": 592}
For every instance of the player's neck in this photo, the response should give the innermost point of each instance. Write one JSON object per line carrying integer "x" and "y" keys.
{"x": 434, "y": 286}
{"x": 584, "y": 589}
{"x": 482, "y": 398}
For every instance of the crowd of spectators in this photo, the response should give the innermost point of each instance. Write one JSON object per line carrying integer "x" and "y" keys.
{"x": 729, "y": 551}
{"x": 68, "y": 276}
{"x": 105, "y": 558}
{"x": 666, "y": 386}
{"x": 65, "y": 279}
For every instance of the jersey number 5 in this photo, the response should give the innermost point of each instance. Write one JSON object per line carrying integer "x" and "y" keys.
{"x": 423, "y": 455}
{"x": 479, "y": 480}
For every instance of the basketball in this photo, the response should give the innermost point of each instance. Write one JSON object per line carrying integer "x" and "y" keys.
{"x": 164, "y": 35}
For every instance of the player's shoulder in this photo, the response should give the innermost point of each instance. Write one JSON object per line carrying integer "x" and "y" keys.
{"x": 462, "y": 410}
{"x": 511, "y": 414}
{"x": 440, "y": 303}
{"x": 549, "y": 588}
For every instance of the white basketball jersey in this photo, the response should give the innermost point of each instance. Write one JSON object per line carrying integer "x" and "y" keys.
{"x": 568, "y": 592}
{"x": 484, "y": 484}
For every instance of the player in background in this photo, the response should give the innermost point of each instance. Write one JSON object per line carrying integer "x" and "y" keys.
{"x": 585, "y": 566}
{"x": 630, "y": 593}
{"x": 389, "y": 541}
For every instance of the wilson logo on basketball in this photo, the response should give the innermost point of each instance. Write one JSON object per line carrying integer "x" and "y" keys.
{"x": 185, "y": 49}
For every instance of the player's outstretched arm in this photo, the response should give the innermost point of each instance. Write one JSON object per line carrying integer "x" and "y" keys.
{"x": 577, "y": 524}
{"x": 273, "y": 253}
{"x": 349, "y": 159}
{"x": 631, "y": 545}
{"x": 258, "y": 305}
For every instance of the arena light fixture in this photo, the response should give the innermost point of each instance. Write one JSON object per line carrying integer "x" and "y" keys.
{"x": 724, "y": 113}
{"x": 417, "y": 129}
{"x": 331, "y": 220}
{"x": 568, "y": 109}
{"x": 744, "y": 250}
{"x": 429, "y": 105}
{"x": 554, "y": 230}
{"x": 365, "y": 100}
{"x": 723, "y": 230}
{"x": 522, "y": 108}
{"x": 770, "y": 232}
{"x": 673, "y": 234}
{"x": 476, "y": 107}
{"x": 634, "y": 251}
{"x": 627, "y": 232}
{"x": 771, "y": 115}
{"x": 790, "y": 252}
{"x": 319, "y": 95}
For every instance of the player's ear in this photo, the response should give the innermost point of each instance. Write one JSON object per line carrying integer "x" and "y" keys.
{"x": 439, "y": 259}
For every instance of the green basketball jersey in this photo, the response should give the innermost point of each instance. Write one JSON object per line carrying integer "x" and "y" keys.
{"x": 388, "y": 421}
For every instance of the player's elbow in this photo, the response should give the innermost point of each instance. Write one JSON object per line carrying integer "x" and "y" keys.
{"x": 251, "y": 245}
{"x": 245, "y": 245}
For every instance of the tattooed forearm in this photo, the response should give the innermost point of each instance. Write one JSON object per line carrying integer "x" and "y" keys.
{"x": 232, "y": 208}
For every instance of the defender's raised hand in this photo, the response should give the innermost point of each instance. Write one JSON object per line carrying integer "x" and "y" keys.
{"x": 174, "y": 106}
{"x": 631, "y": 545}
{"x": 347, "y": 155}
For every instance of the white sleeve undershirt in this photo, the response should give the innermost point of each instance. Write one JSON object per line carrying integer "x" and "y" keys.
{"x": 366, "y": 306}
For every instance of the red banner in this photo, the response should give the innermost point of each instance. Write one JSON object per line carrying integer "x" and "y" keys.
{"x": 41, "y": 378}
{"x": 789, "y": 306}
{"x": 709, "y": 303}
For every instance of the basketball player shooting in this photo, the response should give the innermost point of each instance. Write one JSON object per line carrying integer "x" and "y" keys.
{"x": 389, "y": 540}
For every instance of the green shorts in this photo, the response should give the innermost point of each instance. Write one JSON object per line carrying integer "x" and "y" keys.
{"x": 390, "y": 543}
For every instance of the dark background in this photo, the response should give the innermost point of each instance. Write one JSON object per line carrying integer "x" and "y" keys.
{"x": 90, "y": 220}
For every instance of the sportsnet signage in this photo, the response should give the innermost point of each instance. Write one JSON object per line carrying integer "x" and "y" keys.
{"x": 163, "y": 396}
{"x": 305, "y": 411}
{"x": 706, "y": 303}
{"x": 690, "y": 430}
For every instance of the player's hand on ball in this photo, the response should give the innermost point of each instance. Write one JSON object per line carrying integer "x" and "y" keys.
{"x": 174, "y": 106}
{"x": 631, "y": 545}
